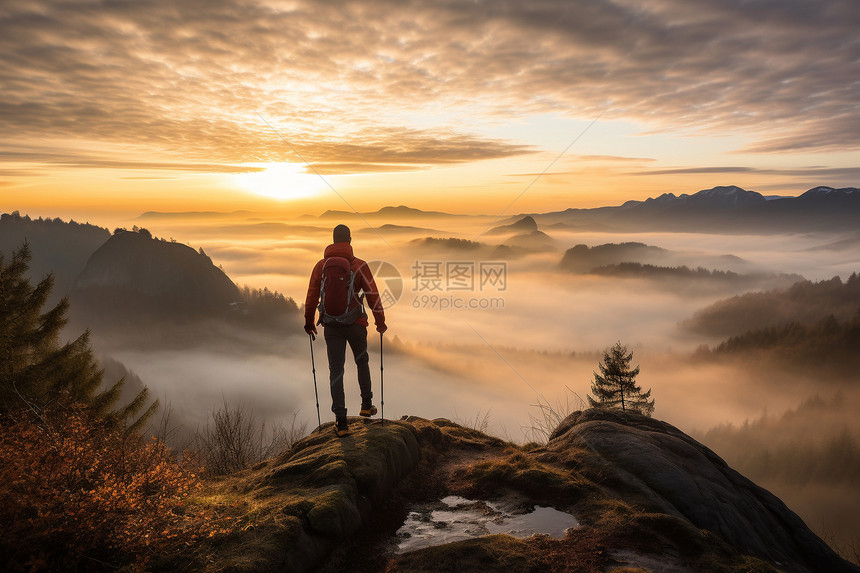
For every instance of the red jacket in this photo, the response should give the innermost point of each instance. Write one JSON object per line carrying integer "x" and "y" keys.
{"x": 363, "y": 282}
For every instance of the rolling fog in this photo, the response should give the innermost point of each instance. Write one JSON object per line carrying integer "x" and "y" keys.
{"x": 534, "y": 345}
{"x": 539, "y": 343}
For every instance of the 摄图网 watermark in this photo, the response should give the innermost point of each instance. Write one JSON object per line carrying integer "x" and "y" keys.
{"x": 443, "y": 285}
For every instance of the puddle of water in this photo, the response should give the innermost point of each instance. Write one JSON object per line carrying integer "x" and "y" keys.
{"x": 456, "y": 518}
{"x": 546, "y": 520}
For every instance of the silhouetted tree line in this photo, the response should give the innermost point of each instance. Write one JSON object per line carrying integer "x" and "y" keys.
{"x": 58, "y": 247}
{"x": 267, "y": 301}
{"x": 135, "y": 229}
{"x": 805, "y": 303}
{"x": 16, "y": 216}
{"x": 798, "y": 448}
{"x": 654, "y": 271}
{"x": 829, "y": 345}
{"x": 263, "y": 308}
{"x": 835, "y": 461}
{"x": 449, "y": 243}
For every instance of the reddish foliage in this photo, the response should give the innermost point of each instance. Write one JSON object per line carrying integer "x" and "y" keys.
{"x": 77, "y": 494}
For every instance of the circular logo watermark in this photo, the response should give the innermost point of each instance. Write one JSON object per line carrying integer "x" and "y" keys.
{"x": 388, "y": 281}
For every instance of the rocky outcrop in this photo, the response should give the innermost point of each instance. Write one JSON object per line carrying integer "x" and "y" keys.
{"x": 320, "y": 492}
{"x": 646, "y": 495}
{"x": 314, "y": 498}
{"x": 653, "y": 465}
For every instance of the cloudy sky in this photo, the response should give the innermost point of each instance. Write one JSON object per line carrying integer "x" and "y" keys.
{"x": 473, "y": 106}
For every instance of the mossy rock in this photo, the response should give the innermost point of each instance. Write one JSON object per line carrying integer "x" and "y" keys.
{"x": 525, "y": 474}
{"x": 484, "y": 555}
{"x": 298, "y": 507}
{"x": 334, "y": 515}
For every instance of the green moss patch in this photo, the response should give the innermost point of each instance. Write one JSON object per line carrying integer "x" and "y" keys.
{"x": 519, "y": 471}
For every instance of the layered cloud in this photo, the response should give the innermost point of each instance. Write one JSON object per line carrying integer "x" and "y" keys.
{"x": 383, "y": 85}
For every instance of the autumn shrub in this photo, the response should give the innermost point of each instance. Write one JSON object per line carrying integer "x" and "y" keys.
{"x": 79, "y": 494}
{"x": 235, "y": 440}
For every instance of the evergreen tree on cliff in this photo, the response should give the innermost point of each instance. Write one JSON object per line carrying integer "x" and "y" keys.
{"x": 35, "y": 369}
{"x": 615, "y": 386}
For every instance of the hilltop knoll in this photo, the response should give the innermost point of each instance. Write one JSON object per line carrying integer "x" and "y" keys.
{"x": 133, "y": 275}
{"x": 644, "y": 495}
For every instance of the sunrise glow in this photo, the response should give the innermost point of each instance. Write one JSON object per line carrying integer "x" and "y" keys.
{"x": 467, "y": 104}
{"x": 282, "y": 181}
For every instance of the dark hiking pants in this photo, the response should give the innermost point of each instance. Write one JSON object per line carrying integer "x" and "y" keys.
{"x": 336, "y": 338}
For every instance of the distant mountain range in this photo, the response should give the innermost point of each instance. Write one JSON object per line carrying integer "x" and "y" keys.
{"x": 94, "y": 258}
{"x": 719, "y": 210}
{"x": 400, "y": 212}
{"x": 159, "y": 215}
{"x": 392, "y": 229}
{"x": 722, "y": 209}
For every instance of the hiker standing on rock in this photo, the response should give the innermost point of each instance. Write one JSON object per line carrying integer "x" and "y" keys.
{"x": 334, "y": 288}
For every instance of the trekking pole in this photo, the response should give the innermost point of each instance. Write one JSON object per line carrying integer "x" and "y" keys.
{"x": 314, "y": 370}
{"x": 381, "y": 383}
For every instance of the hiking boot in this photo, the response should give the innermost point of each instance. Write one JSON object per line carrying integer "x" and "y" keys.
{"x": 368, "y": 411}
{"x": 342, "y": 428}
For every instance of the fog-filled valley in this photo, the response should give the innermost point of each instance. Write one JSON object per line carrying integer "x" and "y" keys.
{"x": 747, "y": 340}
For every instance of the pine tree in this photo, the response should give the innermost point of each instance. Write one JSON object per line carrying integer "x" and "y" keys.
{"x": 615, "y": 386}
{"x": 36, "y": 371}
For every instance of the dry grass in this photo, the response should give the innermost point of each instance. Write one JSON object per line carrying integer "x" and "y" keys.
{"x": 547, "y": 417}
{"x": 235, "y": 440}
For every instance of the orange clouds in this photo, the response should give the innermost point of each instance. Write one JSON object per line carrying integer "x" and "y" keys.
{"x": 369, "y": 87}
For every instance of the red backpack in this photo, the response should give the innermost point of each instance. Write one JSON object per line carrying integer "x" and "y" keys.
{"x": 337, "y": 293}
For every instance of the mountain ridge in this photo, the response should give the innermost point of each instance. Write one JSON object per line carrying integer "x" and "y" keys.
{"x": 388, "y": 211}
{"x": 719, "y": 209}
{"x": 723, "y": 208}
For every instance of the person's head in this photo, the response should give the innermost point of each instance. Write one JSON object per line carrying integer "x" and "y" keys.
{"x": 341, "y": 234}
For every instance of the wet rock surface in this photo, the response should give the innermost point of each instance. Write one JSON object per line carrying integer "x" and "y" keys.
{"x": 455, "y": 518}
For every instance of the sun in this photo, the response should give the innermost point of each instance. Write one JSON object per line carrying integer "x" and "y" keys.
{"x": 280, "y": 181}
